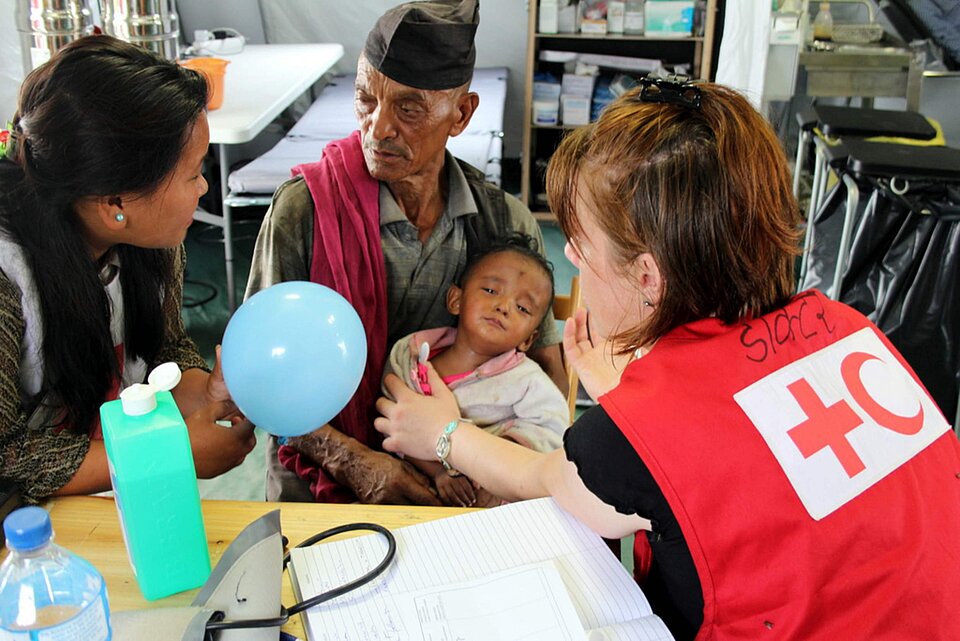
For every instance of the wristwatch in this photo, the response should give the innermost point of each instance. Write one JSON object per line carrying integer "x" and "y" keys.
{"x": 443, "y": 443}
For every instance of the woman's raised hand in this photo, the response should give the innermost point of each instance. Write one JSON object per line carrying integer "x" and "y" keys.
{"x": 216, "y": 386}
{"x": 218, "y": 449}
{"x": 597, "y": 366}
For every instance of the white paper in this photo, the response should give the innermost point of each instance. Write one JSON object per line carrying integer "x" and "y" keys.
{"x": 451, "y": 553}
{"x": 647, "y": 628}
{"x": 528, "y": 603}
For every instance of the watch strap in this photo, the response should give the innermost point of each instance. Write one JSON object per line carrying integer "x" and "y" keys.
{"x": 443, "y": 443}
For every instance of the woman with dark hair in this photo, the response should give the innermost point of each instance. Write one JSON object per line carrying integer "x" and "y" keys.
{"x": 786, "y": 473}
{"x": 98, "y": 186}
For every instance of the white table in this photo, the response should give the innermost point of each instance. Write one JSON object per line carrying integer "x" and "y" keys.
{"x": 260, "y": 82}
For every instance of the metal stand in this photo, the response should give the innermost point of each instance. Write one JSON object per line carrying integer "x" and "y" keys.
{"x": 224, "y": 222}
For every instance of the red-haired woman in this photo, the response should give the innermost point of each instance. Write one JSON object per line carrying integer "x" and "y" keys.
{"x": 793, "y": 478}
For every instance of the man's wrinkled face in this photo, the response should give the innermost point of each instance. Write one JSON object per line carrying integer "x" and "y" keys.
{"x": 404, "y": 130}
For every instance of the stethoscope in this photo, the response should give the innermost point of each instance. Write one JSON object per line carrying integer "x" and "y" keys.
{"x": 216, "y": 623}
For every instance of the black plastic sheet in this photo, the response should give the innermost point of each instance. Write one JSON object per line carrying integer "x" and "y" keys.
{"x": 903, "y": 272}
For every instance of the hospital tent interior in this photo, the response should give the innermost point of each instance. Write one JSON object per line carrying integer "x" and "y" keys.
{"x": 769, "y": 51}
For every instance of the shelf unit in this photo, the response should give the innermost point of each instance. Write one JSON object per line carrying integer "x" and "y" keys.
{"x": 539, "y": 141}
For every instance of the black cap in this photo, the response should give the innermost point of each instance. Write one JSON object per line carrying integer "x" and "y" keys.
{"x": 427, "y": 45}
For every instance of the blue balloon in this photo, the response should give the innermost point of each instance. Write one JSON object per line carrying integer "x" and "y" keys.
{"x": 293, "y": 356}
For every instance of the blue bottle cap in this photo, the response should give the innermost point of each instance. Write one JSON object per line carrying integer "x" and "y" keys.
{"x": 27, "y": 528}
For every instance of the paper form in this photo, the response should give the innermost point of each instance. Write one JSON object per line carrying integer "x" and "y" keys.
{"x": 461, "y": 549}
{"x": 528, "y": 603}
{"x": 453, "y": 552}
{"x": 647, "y": 628}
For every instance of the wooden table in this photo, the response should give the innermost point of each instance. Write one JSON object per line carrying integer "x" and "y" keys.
{"x": 88, "y": 526}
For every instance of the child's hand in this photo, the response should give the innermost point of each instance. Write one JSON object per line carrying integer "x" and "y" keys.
{"x": 456, "y": 491}
{"x": 485, "y": 498}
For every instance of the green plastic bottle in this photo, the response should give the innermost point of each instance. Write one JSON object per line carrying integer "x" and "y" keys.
{"x": 155, "y": 486}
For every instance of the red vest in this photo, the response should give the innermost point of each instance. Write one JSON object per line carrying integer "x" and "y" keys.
{"x": 815, "y": 481}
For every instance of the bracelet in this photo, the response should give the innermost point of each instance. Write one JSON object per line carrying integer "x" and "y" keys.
{"x": 443, "y": 443}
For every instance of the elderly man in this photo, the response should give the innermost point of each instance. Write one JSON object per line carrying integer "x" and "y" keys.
{"x": 388, "y": 218}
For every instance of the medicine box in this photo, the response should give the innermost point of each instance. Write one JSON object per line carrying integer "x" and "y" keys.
{"x": 549, "y": 14}
{"x": 546, "y": 112}
{"x": 669, "y": 18}
{"x": 575, "y": 110}
{"x": 577, "y": 85}
{"x": 568, "y": 19}
{"x": 593, "y": 26}
{"x": 593, "y": 17}
{"x": 543, "y": 90}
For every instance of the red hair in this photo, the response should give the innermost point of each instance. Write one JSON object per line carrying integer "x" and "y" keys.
{"x": 706, "y": 192}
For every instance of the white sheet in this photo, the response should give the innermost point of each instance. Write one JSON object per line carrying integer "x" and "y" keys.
{"x": 331, "y": 117}
{"x": 742, "y": 63}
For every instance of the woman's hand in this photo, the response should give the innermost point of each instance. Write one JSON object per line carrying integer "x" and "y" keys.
{"x": 597, "y": 366}
{"x": 217, "y": 449}
{"x": 413, "y": 423}
{"x": 216, "y": 387}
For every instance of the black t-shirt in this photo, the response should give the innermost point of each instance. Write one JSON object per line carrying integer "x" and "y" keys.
{"x": 612, "y": 469}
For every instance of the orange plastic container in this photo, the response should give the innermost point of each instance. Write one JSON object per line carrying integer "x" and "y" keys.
{"x": 214, "y": 70}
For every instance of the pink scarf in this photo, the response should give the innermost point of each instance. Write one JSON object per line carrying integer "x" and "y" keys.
{"x": 348, "y": 258}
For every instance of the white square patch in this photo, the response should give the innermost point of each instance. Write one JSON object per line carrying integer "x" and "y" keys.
{"x": 841, "y": 419}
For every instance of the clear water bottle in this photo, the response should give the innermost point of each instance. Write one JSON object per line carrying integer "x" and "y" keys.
{"x": 46, "y": 592}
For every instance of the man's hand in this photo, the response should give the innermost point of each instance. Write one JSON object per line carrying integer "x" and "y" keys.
{"x": 376, "y": 477}
{"x": 456, "y": 491}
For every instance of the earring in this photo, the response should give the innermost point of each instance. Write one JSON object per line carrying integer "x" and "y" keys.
{"x": 647, "y": 303}
{"x": 119, "y": 217}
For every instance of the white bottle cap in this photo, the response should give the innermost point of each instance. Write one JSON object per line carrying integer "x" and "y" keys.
{"x": 139, "y": 399}
{"x": 165, "y": 377}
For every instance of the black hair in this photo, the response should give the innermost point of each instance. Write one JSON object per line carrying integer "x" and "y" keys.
{"x": 516, "y": 242}
{"x": 101, "y": 117}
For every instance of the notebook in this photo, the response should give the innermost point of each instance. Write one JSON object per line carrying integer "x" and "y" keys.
{"x": 527, "y": 570}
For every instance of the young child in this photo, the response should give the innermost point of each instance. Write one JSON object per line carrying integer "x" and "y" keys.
{"x": 503, "y": 295}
